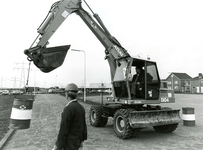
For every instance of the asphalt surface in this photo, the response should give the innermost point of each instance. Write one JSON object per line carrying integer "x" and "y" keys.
{"x": 46, "y": 119}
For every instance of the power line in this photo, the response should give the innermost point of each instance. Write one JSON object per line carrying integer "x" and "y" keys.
{"x": 22, "y": 68}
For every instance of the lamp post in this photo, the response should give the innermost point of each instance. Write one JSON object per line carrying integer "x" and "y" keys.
{"x": 56, "y": 81}
{"x": 35, "y": 82}
{"x": 172, "y": 81}
{"x": 84, "y": 71}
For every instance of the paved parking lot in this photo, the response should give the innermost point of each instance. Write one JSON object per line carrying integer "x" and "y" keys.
{"x": 46, "y": 118}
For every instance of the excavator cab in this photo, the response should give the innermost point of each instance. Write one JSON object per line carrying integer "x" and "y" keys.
{"x": 130, "y": 83}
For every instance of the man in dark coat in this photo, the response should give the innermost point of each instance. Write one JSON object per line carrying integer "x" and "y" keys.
{"x": 138, "y": 82}
{"x": 73, "y": 128}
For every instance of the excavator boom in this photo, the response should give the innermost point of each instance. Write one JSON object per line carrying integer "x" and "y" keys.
{"x": 56, "y": 16}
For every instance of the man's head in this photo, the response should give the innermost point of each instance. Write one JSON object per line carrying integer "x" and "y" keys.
{"x": 71, "y": 91}
{"x": 139, "y": 69}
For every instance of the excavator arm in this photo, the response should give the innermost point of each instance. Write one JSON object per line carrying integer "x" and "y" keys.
{"x": 48, "y": 59}
{"x": 57, "y": 14}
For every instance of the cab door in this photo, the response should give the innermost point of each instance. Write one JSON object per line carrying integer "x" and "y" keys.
{"x": 152, "y": 82}
{"x": 149, "y": 86}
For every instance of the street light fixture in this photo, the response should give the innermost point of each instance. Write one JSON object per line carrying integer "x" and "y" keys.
{"x": 35, "y": 84}
{"x": 84, "y": 71}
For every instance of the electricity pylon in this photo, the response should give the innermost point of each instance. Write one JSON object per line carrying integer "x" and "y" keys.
{"x": 22, "y": 68}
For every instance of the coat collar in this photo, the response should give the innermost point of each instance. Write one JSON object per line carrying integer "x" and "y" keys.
{"x": 71, "y": 101}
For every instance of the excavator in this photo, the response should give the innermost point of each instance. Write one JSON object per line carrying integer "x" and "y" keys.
{"x": 130, "y": 113}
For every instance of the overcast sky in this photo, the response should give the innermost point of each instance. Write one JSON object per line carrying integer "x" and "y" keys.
{"x": 170, "y": 32}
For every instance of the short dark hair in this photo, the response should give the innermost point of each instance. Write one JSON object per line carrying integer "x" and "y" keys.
{"x": 72, "y": 95}
{"x": 139, "y": 67}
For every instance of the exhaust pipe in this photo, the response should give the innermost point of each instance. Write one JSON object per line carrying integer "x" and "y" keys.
{"x": 47, "y": 59}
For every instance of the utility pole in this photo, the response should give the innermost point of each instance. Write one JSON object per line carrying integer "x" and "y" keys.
{"x": 84, "y": 71}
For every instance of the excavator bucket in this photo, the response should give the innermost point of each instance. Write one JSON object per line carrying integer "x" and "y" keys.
{"x": 47, "y": 59}
{"x": 141, "y": 119}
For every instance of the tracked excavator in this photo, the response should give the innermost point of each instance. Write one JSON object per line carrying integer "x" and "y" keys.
{"x": 130, "y": 112}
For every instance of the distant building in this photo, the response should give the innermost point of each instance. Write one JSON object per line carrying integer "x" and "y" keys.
{"x": 179, "y": 82}
{"x": 94, "y": 87}
{"x": 197, "y": 84}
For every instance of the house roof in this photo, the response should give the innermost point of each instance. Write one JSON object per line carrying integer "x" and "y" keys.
{"x": 181, "y": 76}
{"x": 200, "y": 76}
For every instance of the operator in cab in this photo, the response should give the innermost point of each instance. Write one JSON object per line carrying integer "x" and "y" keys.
{"x": 137, "y": 85}
{"x": 138, "y": 82}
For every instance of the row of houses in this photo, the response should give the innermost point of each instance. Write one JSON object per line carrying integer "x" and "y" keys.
{"x": 179, "y": 82}
{"x": 183, "y": 83}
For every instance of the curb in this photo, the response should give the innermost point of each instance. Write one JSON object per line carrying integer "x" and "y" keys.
{"x": 5, "y": 138}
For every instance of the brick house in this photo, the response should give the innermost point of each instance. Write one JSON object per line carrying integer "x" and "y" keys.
{"x": 197, "y": 84}
{"x": 179, "y": 82}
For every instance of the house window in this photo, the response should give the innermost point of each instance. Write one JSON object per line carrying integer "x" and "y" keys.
{"x": 187, "y": 83}
{"x": 201, "y": 81}
{"x": 176, "y": 82}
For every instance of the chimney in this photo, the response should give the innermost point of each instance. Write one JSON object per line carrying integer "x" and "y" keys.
{"x": 200, "y": 75}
